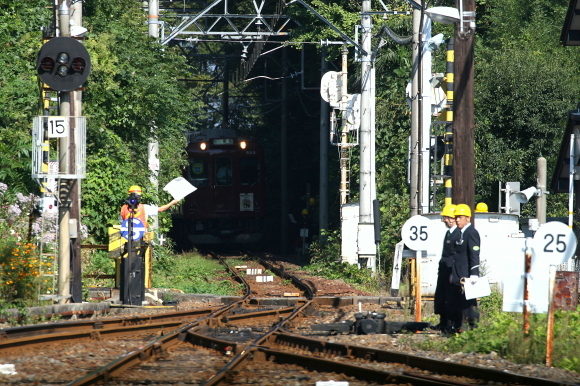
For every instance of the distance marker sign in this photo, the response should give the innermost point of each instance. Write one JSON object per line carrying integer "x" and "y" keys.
{"x": 138, "y": 230}
{"x": 554, "y": 243}
{"x": 416, "y": 233}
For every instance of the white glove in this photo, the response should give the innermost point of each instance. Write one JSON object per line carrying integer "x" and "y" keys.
{"x": 473, "y": 279}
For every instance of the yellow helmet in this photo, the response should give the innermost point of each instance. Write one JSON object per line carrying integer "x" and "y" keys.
{"x": 304, "y": 211}
{"x": 463, "y": 210}
{"x": 448, "y": 210}
{"x": 135, "y": 189}
{"x": 481, "y": 207}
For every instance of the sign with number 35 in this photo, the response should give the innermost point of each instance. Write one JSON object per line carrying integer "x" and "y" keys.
{"x": 416, "y": 233}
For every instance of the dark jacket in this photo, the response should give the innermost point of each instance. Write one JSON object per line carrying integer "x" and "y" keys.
{"x": 445, "y": 270}
{"x": 466, "y": 255}
{"x": 449, "y": 248}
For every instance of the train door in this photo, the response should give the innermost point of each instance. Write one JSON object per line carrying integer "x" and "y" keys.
{"x": 199, "y": 205}
{"x": 250, "y": 185}
{"x": 223, "y": 192}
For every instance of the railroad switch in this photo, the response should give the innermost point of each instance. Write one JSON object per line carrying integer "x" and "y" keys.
{"x": 370, "y": 323}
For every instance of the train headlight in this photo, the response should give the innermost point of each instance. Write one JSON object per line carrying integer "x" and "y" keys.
{"x": 203, "y": 146}
{"x": 243, "y": 144}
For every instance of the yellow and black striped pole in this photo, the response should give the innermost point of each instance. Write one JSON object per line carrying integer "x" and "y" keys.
{"x": 448, "y": 117}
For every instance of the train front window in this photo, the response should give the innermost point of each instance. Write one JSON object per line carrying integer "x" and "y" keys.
{"x": 249, "y": 171}
{"x": 197, "y": 171}
{"x": 223, "y": 171}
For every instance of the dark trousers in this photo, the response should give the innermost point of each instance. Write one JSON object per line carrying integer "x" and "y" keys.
{"x": 459, "y": 309}
{"x": 440, "y": 299}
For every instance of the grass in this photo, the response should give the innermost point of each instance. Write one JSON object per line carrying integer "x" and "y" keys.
{"x": 193, "y": 273}
{"x": 503, "y": 333}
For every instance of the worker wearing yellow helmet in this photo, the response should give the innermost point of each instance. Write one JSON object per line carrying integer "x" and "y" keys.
{"x": 134, "y": 208}
{"x": 481, "y": 208}
{"x": 465, "y": 268}
{"x": 444, "y": 271}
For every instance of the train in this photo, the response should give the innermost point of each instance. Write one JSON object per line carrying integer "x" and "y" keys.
{"x": 229, "y": 204}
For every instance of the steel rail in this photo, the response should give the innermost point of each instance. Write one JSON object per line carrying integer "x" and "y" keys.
{"x": 321, "y": 347}
{"x": 82, "y": 325}
{"x": 159, "y": 346}
{"x": 28, "y": 343}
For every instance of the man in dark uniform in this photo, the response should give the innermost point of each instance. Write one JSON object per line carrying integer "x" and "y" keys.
{"x": 444, "y": 272}
{"x": 465, "y": 266}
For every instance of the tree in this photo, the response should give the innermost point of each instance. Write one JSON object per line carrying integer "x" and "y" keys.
{"x": 20, "y": 39}
{"x": 134, "y": 93}
{"x": 525, "y": 83}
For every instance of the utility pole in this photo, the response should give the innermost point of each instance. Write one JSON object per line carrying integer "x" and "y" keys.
{"x": 414, "y": 140}
{"x": 284, "y": 156}
{"x": 365, "y": 237}
{"x": 153, "y": 145}
{"x": 76, "y": 18}
{"x": 64, "y": 266}
{"x": 324, "y": 139}
{"x": 425, "y": 114}
{"x": 463, "y": 120}
{"x": 344, "y": 178}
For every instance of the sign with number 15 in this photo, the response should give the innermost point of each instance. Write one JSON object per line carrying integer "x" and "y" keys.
{"x": 58, "y": 127}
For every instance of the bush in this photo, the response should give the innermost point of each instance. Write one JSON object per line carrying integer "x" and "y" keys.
{"x": 503, "y": 333}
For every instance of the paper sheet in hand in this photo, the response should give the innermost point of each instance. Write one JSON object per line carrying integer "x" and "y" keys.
{"x": 179, "y": 188}
{"x": 477, "y": 290}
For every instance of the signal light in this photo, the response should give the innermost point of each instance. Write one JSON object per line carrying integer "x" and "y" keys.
{"x": 63, "y": 63}
{"x": 47, "y": 64}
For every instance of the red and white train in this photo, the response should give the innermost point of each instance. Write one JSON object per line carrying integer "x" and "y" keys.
{"x": 228, "y": 206}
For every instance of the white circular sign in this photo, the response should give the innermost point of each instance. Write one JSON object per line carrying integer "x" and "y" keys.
{"x": 416, "y": 233}
{"x": 554, "y": 243}
{"x": 137, "y": 232}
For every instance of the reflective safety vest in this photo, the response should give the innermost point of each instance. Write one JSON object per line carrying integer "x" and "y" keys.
{"x": 139, "y": 213}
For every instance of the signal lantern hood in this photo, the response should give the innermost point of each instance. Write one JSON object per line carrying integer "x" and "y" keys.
{"x": 63, "y": 63}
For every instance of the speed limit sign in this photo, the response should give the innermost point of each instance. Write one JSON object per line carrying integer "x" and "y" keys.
{"x": 416, "y": 233}
{"x": 554, "y": 243}
{"x": 58, "y": 127}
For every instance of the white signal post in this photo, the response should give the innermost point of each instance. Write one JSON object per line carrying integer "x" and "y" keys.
{"x": 417, "y": 235}
{"x": 554, "y": 244}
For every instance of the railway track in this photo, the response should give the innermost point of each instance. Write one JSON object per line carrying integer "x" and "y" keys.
{"x": 238, "y": 343}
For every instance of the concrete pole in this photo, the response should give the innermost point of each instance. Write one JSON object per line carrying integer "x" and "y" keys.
{"x": 425, "y": 117}
{"x": 76, "y": 18}
{"x": 541, "y": 200}
{"x": 284, "y": 158}
{"x": 64, "y": 271}
{"x": 324, "y": 140}
{"x": 153, "y": 18}
{"x": 344, "y": 130}
{"x": 414, "y": 142}
{"x": 153, "y": 146}
{"x": 365, "y": 237}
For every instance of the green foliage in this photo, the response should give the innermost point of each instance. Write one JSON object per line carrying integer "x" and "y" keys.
{"x": 525, "y": 83}
{"x": 192, "y": 273}
{"x": 133, "y": 94}
{"x": 20, "y": 263}
{"x": 20, "y": 39}
{"x": 325, "y": 261}
{"x": 503, "y": 333}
